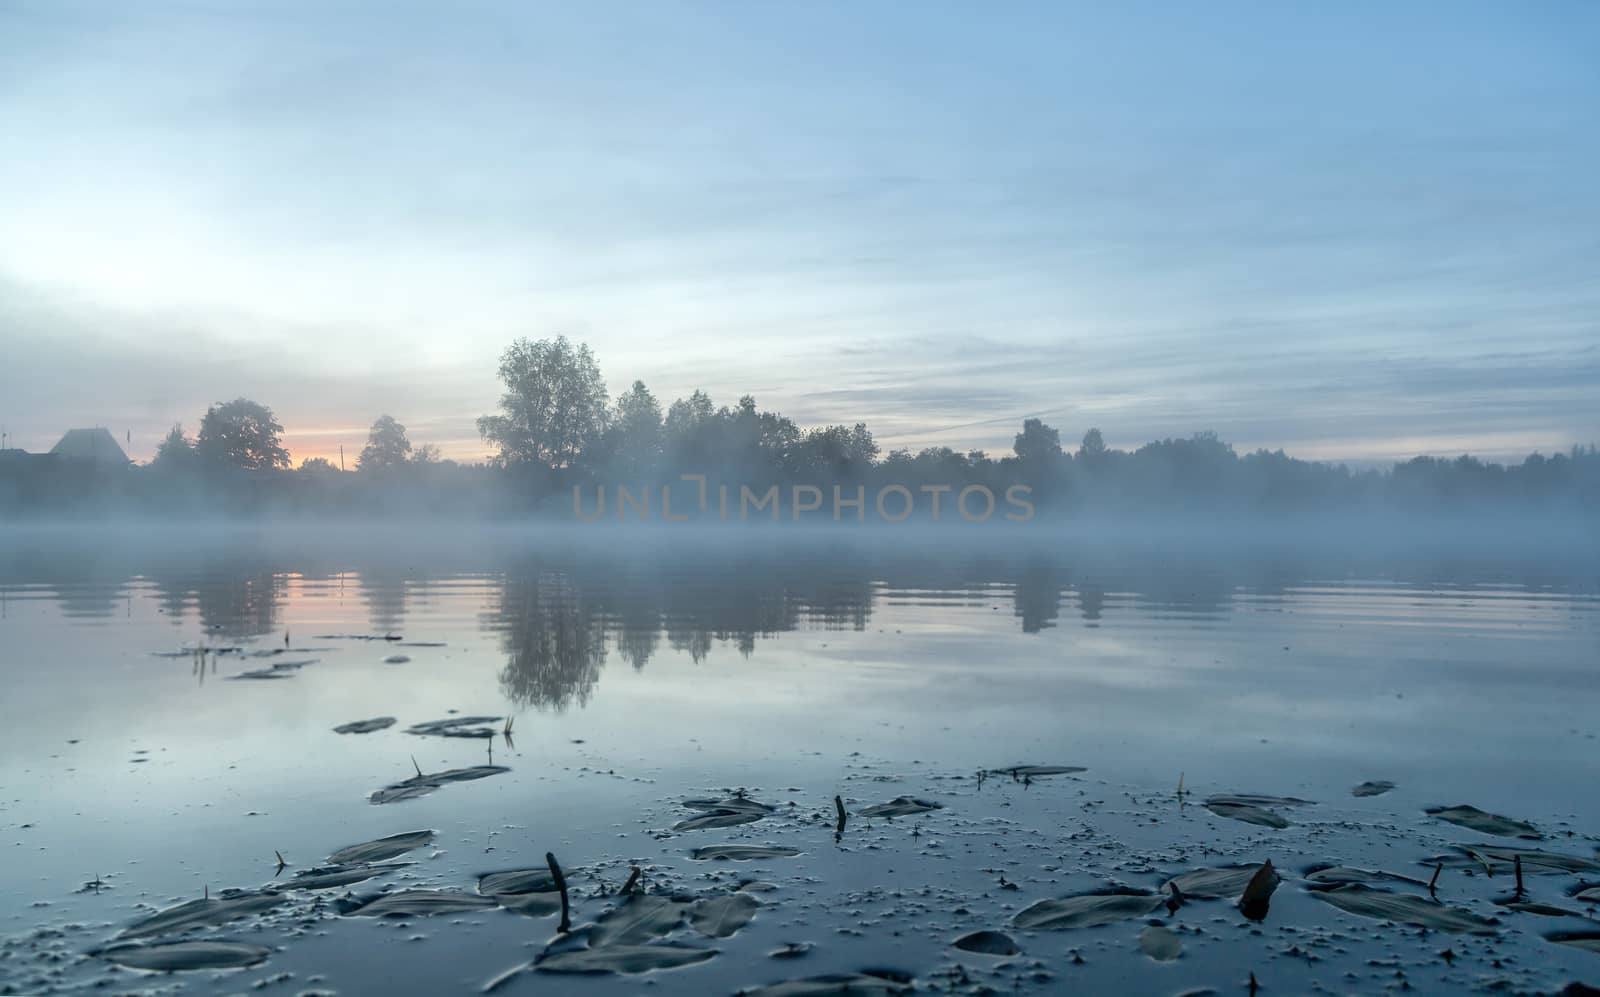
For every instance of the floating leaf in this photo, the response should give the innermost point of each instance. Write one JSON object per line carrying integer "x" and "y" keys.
{"x": 623, "y": 959}
{"x": 514, "y": 881}
{"x": 1494, "y": 857}
{"x": 1543, "y": 910}
{"x": 421, "y": 903}
{"x": 328, "y": 877}
{"x": 1160, "y": 943}
{"x": 381, "y": 848}
{"x": 901, "y": 806}
{"x": 455, "y": 727}
{"x": 364, "y": 726}
{"x": 1085, "y": 911}
{"x": 742, "y": 853}
{"x": 174, "y": 957}
{"x": 206, "y": 912}
{"x": 1588, "y": 894}
{"x": 722, "y": 916}
{"x": 1338, "y": 875}
{"x": 427, "y": 782}
{"x": 1477, "y": 820}
{"x": 397, "y": 659}
{"x": 1221, "y": 883}
{"x": 1374, "y": 788}
{"x": 637, "y": 920}
{"x": 1406, "y": 908}
{"x": 1248, "y": 813}
{"x": 1587, "y": 940}
{"x": 987, "y": 943}
{"x": 717, "y": 818}
{"x": 1257, "y": 800}
{"x": 834, "y": 985}
{"x": 1035, "y": 771}
{"x": 743, "y": 803}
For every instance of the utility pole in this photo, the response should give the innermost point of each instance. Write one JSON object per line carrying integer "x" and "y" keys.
{"x": 341, "y": 456}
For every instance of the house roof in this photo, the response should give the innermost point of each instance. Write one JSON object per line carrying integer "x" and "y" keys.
{"x": 90, "y": 444}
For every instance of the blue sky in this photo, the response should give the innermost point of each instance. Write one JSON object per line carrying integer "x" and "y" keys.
{"x": 1355, "y": 231}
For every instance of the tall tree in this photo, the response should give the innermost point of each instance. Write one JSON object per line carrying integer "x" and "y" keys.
{"x": 242, "y": 434}
{"x": 636, "y": 429}
{"x": 1037, "y": 443}
{"x": 1093, "y": 446}
{"x": 175, "y": 451}
{"x": 387, "y": 445}
{"x": 554, "y": 406}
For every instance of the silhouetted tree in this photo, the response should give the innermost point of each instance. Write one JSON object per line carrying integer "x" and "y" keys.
{"x": 1093, "y": 446}
{"x": 555, "y": 405}
{"x": 387, "y": 445}
{"x": 634, "y": 442}
{"x": 425, "y": 453}
{"x": 175, "y": 452}
{"x": 242, "y": 434}
{"x": 1037, "y": 444}
{"x": 317, "y": 465}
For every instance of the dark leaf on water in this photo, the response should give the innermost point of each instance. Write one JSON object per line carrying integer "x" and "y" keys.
{"x": 1406, "y": 908}
{"x": 1339, "y": 875}
{"x": 381, "y": 848}
{"x": 622, "y": 959}
{"x": 1478, "y": 820}
{"x": 1257, "y": 800}
{"x": 722, "y": 916}
{"x": 205, "y": 912}
{"x": 420, "y": 903}
{"x": 1542, "y": 910}
{"x": 1495, "y": 858}
{"x": 1588, "y": 894}
{"x": 1160, "y": 943}
{"x": 1035, "y": 771}
{"x": 1374, "y": 788}
{"x": 517, "y": 881}
{"x": 901, "y": 806}
{"x": 530, "y": 904}
{"x": 329, "y": 877}
{"x": 717, "y": 818}
{"x": 1221, "y": 883}
{"x": 834, "y": 985}
{"x": 427, "y": 782}
{"x": 1085, "y": 911}
{"x": 1257, "y": 895}
{"x": 740, "y": 803}
{"x": 639, "y": 919}
{"x": 1587, "y": 940}
{"x": 173, "y": 957}
{"x": 455, "y": 727}
{"x": 364, "y": 726}
{"x": 1248, "y": 813}
{"x": 742, "y": 853}
{"x": 987, "y": 943}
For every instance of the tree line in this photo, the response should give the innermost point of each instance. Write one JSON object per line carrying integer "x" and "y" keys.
{"x": 557, "y": 428}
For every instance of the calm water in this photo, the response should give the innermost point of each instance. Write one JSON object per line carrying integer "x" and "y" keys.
{"x": 639, "y": 675}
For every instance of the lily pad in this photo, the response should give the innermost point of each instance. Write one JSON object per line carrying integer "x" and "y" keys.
{"x": 1249, "y": 813}
{"x": 206, "y": 912}
{"x": 1487, "y": 823}
{"x": 514, "y": 881}
{"x": 1496, "y": 857}
{"x": 623, "y": 959}
{"x": 987, "y": 943}
{"x": 421, "y": 903}
{"x": 427, "y": 782}
{"x": 639, "y": 919}
{"x": 175, "y": 957}
{"x": 730, "y": 812}
{"x": 1373, "y": 788}
{"x": 365, "y": 726}
{"x": 1407, "y": 909}
{"x": 901, "y": 806}
{"x": 381, "y": 848}
{"x": 1339, "y": 875}
{"x": 397, "y": 659}
{"x": 1160, "y": 944}
{"x": 722, "y": 916}
{"x": 1588, "y": 894}
{"x": 742, "y": 853}
{"x": 1258, "y": 800}
{"x": 1085, "y": 911}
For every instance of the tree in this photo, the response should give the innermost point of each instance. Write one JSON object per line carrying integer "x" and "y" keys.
{"x": 554, "y": 407}
{"x": 242, "y": 434}
{"x": 1037, "y": 443}
{"x": 317, "y": 465}
{"x": 425, "y": 454}
{"x": 387, "y": 445}
{"x": 176, "y": 451}
{"x": 1093, "y": 446}
{"x": 636, "y": 429}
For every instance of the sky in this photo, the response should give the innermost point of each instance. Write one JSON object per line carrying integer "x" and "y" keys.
{"x": 1355, "y": 231}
